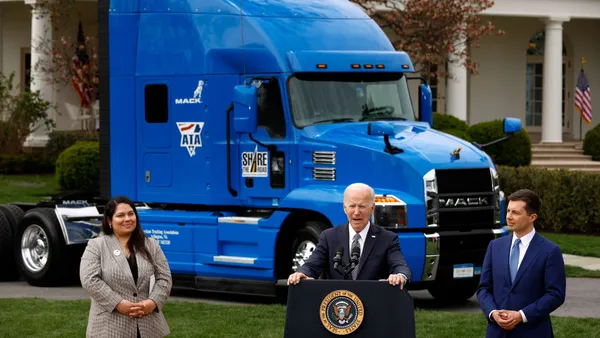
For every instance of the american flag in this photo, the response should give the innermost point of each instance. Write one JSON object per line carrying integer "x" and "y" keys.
{"x": 80, "y": 60}
{"x": 583, "y": 98}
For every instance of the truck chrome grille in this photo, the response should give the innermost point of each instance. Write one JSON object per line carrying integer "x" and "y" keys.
{"x": 466, "y": 198}
{"x": 323, "y": 157}
{"x": 324, "y": 174}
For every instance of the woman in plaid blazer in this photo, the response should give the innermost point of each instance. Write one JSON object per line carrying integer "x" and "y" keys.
{"x": 127, "y": 277}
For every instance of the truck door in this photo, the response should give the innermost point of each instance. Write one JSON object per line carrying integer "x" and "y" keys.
{"x": 264, "y": 155}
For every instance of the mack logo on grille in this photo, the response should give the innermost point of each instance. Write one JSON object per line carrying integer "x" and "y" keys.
{"x": 463, "y": 202}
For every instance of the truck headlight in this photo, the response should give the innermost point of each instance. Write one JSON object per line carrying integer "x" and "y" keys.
{"x": 390, "y": 212}
{"x": 431, "y": 198}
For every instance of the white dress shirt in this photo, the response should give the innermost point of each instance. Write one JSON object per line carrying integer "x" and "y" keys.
{"x": 361, "y": 241}
{"x": 525, "y": 241}
{"x": 363, "y": 237}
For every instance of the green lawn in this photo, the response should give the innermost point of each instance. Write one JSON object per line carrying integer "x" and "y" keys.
{"x": 575, "y": 271}
{"x": 16, "y": 188}
{"x": 52, "y": 318}
{"x": 580, "y": 245}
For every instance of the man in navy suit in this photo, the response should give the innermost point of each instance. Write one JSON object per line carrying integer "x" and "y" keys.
{"x": 378, "y": 249}
{"x": 523, "y": 276}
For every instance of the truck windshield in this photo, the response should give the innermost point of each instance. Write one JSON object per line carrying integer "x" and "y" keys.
{"x": 332, "y": 98}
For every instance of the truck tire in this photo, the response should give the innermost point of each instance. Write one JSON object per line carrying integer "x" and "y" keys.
{"x": 40, "y": 249}
{"x": 13, "y": 214}
{"x": 304, "y": 243}
{"x": 8, "y": 269}
{"x": 454, "y": 292}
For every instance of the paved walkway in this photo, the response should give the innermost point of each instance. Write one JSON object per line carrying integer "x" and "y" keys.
{"x": 588, "y": 263}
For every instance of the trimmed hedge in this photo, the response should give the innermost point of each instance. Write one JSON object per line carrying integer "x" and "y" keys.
{"x": 591, "y": 142}
{"x": 458, "y": 133}
{"x": 61, "y": 140}
{"x": 444, "y": 122}
{"x": 25, "y": 164}
{"x": 77, "y": 168}
{"x": 570, "y": 199}
{"x": 513, "y": 152}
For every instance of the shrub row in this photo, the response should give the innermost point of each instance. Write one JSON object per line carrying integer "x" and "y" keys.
{"x": 78, "y": 167}
{"x": 513, "y": 152}
{"x": 43, "y": 163}
{"x": 570, "y": 199}
{"x": 591, "y": 143}
{"x": 25, "y": 164}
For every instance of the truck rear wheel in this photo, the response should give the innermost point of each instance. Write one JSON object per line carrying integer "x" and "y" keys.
{"x": 454, "y": 291}
{"x": 13, "y": 214}
{"x": 8, "y": 270}
{"x": 40, "y": 249}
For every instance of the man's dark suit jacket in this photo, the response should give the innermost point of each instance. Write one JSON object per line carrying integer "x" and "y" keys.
{"x": 381, "y": 255}
{"x": 538, "y": 289}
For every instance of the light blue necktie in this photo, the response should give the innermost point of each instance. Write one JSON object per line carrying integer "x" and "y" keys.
{"x": 514, "y": 260}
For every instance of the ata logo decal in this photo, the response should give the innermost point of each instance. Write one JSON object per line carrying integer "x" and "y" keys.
{"x": 341, "y": 312}
{"x": 190, "y": 135}
{"x": 197, "y": 96}
{"x": 255, "y": 164}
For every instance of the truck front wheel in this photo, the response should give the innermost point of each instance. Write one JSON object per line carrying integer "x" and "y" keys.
{"x": 40, "y": 248}
{"x": 454, "y": 291}
{"x": 304, "y": 243}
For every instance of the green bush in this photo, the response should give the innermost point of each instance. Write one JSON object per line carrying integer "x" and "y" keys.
{"x": 25, "y": 164}
{"x": 458, "y": 133}
{"x": 61, "y": 140}
{"x": 77, "y": 168}
{"x": 448, "y": 122}
{"x": 513, "y": 152}
{"x": 569, "y": 198}
{"x": 591, "y": 142}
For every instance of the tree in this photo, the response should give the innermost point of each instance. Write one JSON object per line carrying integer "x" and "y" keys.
{"x": 433, "y": 32}
{"x": 67, "y": 60}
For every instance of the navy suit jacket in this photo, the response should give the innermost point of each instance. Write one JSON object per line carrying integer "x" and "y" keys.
{"x": 381, "y": 255}
{"x": 538, "y": 289}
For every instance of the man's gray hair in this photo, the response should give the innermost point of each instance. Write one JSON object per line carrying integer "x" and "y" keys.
{"x": 363, "y": 187}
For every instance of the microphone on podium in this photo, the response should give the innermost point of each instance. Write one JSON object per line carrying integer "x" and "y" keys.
{"x": 337, "y": 259}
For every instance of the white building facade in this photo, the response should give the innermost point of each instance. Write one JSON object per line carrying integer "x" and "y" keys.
{"x": 530, "y": 73}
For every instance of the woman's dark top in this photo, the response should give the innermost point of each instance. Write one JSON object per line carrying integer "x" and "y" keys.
{"x": 133, "y": 265}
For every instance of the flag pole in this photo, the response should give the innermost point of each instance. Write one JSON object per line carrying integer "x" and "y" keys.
{"x": 580, "y": 114}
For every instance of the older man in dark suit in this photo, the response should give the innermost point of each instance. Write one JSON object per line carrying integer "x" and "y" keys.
{"x": 379, "y": 251}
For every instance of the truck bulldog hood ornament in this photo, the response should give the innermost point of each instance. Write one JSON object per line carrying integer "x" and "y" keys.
{"x": 456, "y": 153}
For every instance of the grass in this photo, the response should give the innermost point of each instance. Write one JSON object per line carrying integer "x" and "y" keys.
{"x": 53, "y": 318}
{"x": 26, "y": 188}
{"x": 575, "y": 271}
{"x": 580, "y": 245}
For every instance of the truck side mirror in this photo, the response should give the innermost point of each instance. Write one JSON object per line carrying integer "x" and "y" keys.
{"x": 385, "y": 129}
{"x": 380, "y": 128}
{"x": 245, "y": 109}
{"x": 512, "y": 125}
{"x": 425, "y": 113}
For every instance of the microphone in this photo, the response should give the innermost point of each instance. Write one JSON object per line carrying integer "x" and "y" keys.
{"x": 339, "y": 253}
{"x": 354, "y": 256}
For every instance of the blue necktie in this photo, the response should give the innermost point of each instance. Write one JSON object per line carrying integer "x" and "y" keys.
{"x": 356, "y": 244}
{"x": 514, "y": 260}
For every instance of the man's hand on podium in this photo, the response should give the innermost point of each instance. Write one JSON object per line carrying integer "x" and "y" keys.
{"x": 296, "y": 277}
{"x": 397, "y": 279}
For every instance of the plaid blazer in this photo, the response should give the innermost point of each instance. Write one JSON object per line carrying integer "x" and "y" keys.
{"x": 105, "y": 274}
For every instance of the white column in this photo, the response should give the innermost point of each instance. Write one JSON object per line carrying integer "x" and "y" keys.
{"x": 552, "y": 97}
{"x": 41, "y": 29}
{"x": 456, "y": 85}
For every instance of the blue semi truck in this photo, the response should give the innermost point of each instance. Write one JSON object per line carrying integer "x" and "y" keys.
{"x": 237, "y": 124}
